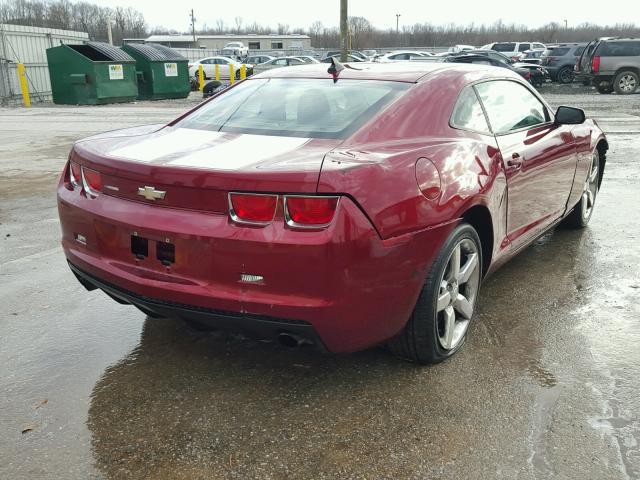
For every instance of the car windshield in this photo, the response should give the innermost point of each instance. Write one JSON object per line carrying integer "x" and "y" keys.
{"x": 311, "y": 108}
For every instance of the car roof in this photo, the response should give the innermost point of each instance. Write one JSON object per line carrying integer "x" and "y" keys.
{"x": 620, "y": 39}
{"x": 410, "y": 72}
{"x": 216, "y": 56}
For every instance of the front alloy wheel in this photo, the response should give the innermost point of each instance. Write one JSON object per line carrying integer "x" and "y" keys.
{"x": 590, "y": 189}
{"x": 440, "y": 320}
{"x": 581, "y": 213}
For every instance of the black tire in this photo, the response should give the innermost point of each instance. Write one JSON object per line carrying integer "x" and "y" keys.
{"x": 604, "y": 88}
{"x": 565, "y": 75}
{"x": 419, "y": 341}
{"x": 583, "y": 211}
{"x": 626, "y": 82}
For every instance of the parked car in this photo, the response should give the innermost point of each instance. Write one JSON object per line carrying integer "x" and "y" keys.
{"x": 460, "y": 48}
{"x": 350, "y": 59}
{"x": 354, "y": 53}
{"x": 612, "y": 64}
{"x": 370, "y": 53}
{"x": 530, "y": 56}
{"x": 560, "y": 60}
{"x": 209, "y": 67}
{"x": 514, "y": 49}
{"x": 308, "y": 59}
{"x": 257, "y": 59}
{"x": 262, "y": 209}
{"x": 278, "y": 63}
{"x": 402, "y": 55}
{"x": 235, "y": 49}
{"x": 534, "y": 74}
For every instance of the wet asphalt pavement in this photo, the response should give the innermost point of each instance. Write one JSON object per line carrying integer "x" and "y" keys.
{"x": 547, "y": 386}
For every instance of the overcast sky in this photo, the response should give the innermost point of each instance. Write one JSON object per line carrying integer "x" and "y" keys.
{"x": 302, "y": 13}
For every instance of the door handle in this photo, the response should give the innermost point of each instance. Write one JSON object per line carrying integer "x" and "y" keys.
{"x": 515, "y": 161}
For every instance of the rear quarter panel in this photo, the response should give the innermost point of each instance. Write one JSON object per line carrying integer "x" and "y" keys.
{"x": 377, "y": 167}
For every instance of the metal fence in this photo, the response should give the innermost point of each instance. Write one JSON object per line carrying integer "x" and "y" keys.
{"x": 28, "y": 45}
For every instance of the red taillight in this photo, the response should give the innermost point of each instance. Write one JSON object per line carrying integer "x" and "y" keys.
{"x": 75, "y": 175}
{"x": 595, "y": 64}
{"x": 92, "y": 181}
{"x": 309, "y": 211}
{"x": 252, "y": 208}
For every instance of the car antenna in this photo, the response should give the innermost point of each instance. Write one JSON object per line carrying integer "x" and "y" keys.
{"x": 336, "y": 67}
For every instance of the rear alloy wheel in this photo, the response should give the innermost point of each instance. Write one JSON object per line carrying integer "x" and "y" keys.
{"x": 440, "y": 320}
{"x": 581, "y": 213}
{"x": 565, "y": 75}
{"x": 626, "y": 83}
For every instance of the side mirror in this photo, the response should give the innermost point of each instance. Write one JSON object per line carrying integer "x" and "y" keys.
{"x": 570, "y": 116}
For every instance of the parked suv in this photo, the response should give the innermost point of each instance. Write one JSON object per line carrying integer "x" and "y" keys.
{"x": 612, "y": 65}
{"x": 513, "y": 49}
{"x": 560, "y": 60}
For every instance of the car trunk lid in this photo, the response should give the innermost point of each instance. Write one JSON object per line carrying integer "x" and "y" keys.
{"x": 196, "y": 169}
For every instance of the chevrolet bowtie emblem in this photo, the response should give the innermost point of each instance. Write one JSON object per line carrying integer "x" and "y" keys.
{"x": 150, "y": 193}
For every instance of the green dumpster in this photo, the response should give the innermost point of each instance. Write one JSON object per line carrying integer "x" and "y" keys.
{"x": 90, "y": 74}
{"x": 162, "y": 72}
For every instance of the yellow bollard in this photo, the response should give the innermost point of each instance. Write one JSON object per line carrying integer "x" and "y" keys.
{"x": 23, "y": 85}
{"x": 201, "y": 77}
{"x": 243, "y": 72}
{"x": 232, "y": 77}
{"x": 217, "y": 72}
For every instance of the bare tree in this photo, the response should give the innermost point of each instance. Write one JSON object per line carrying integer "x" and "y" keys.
{"x": 89, "y": 17}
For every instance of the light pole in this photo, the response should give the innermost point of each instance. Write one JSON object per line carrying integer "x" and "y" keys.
{"x": 193, "y": 27}
{"x": 397, "y": 23}
{"x": 566, "y": 25}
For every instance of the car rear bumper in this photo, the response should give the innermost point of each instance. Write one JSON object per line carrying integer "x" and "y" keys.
{"x": 344, "y": 286}
{"x": 256, "y": 325}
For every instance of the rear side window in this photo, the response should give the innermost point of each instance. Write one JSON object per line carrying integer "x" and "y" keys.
{"x": 511, "y": 106}
{"x": 578, "y": 51}
{"x": 504, "y": 47}
{"x": 558, "y": 52}
{"x": 468, "y": 114}
{"x": 523, "y": 47}
{"x": 619, "y": 49}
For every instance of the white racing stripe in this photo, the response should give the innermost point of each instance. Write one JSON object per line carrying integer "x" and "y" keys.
{"x": 240, "y": 152}
{"x": 165, "y": 144}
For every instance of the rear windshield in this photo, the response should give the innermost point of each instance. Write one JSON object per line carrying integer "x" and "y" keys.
{"x": 504, "y": 47}
{"x": 310, "y": 108}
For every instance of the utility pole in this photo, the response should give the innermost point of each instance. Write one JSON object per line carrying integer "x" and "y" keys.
{"x": 344, "y": 30}
{"x": 566, "y": 25}
{"x": 193, "y": 29}
{"x": 397, "y": 23}
{"x": 109, "y": 33}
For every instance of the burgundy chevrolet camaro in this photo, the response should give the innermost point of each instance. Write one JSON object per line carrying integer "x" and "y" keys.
{"x": 342, "y": 210}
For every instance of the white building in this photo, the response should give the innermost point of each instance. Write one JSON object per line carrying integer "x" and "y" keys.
{"x": 255, "y": 42}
